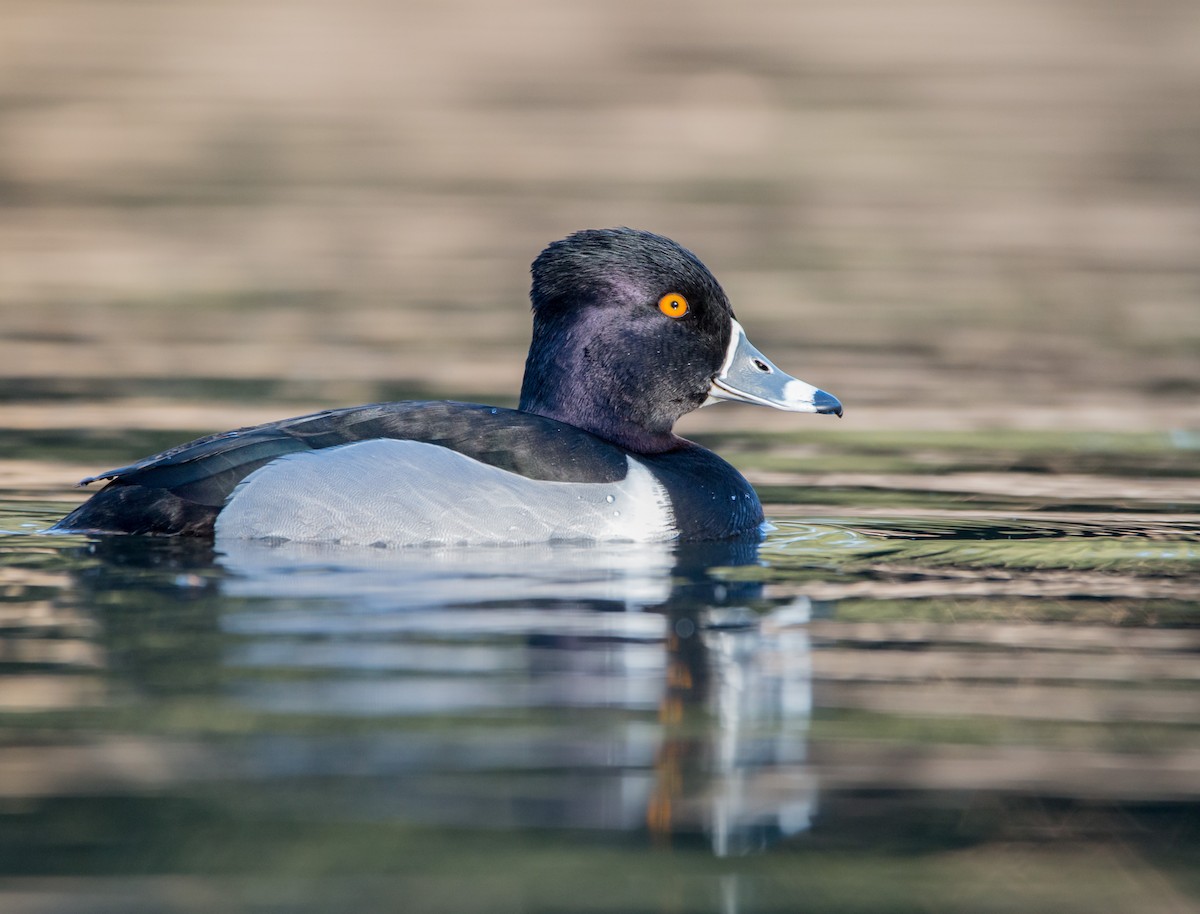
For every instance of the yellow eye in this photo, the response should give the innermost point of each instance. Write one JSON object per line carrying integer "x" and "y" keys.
{"x": 673, "y": 305}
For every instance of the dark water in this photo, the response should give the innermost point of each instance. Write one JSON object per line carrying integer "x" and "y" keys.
{"x": 912, "y": 696}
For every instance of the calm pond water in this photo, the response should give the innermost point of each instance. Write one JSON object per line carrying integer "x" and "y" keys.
{"x": 959, "y": 678}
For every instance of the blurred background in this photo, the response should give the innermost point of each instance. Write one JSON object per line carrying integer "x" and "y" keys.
{"x": 951, "y": 215}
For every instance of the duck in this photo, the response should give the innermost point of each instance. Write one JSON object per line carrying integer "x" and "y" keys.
{"x": 631, "y": 331}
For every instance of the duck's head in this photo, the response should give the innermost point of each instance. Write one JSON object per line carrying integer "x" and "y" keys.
{"x": 631, "y": 331}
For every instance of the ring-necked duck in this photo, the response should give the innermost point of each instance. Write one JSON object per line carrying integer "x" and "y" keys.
{"x": 630, "y": 332}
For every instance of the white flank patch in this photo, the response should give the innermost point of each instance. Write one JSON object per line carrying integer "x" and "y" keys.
{"x": 386, "y": 492}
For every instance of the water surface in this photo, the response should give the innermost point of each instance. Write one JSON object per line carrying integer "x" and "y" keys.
{"x": 943, "y": 684}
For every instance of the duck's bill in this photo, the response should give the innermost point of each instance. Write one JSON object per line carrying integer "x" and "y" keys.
{"x": 748, "y": 376}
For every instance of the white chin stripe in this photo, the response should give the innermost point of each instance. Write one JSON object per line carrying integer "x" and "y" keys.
{"x": 386, "y": 492}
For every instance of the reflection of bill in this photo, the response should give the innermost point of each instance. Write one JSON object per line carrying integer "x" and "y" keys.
{"x": 735, "y": 716}
{"x": 704, "y": 738}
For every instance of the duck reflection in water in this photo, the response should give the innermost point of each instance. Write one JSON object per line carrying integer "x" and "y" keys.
{"x": 634, "y": 688}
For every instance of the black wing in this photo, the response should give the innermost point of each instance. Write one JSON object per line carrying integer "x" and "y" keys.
{"x": 181, "y": 491}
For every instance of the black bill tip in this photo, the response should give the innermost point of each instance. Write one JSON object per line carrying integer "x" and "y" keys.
{"x": 827, "y": 404}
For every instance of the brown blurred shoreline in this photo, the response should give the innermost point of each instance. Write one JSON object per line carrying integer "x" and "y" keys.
{"x": 953, "y": 216}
